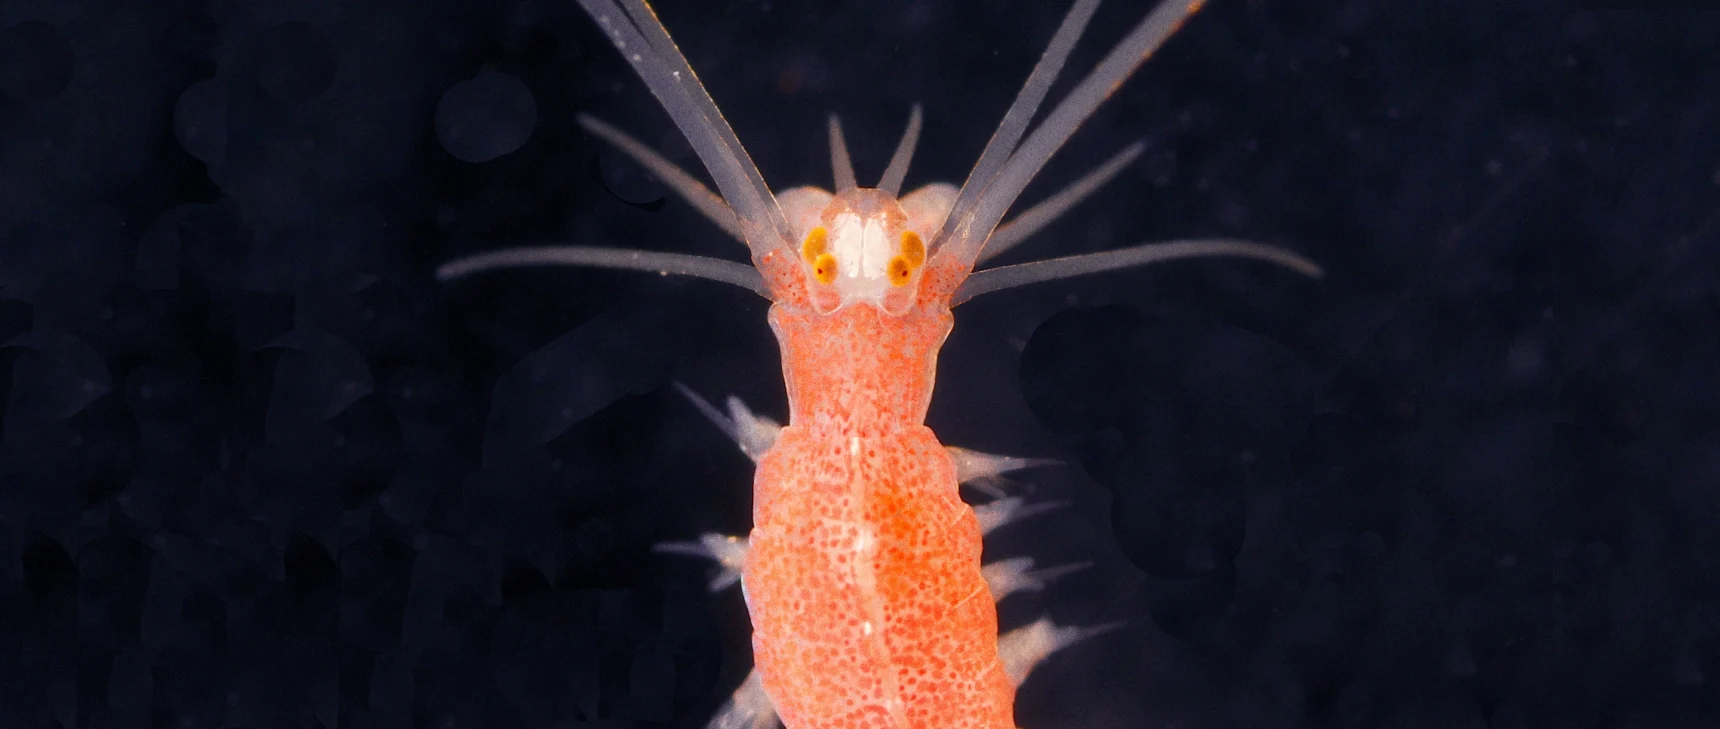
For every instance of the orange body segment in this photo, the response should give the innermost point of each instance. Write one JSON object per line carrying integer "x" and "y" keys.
{"x": 863, "y": 576}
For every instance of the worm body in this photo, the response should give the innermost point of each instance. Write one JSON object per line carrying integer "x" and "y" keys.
{"x": 862, "y": 573}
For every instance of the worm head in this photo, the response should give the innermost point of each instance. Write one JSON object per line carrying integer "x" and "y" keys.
{"x": 860, "y": 248}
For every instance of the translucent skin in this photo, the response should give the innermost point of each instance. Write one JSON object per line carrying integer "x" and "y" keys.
{"x": 863, "y": 574}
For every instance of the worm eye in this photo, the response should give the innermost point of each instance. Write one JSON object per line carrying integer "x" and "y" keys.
{"x": 824, "y": 268}
{"x": 913, "y": 248}
{"x": 900, "y": 271}
{"x": 816, "y": 243}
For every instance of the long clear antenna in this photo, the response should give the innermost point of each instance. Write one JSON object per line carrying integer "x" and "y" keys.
{"x": 1030, "y": 221}
{"x": 682, "y": 264}
{"x": 1020, "y": 113}
{"x": 1061, "y": 123}
{"x": 690, "y": 189}
{"x": 1008, "y": 277}
{"x": 640, "y": 38}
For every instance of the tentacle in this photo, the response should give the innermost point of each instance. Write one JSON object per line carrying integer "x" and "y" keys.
{"x": 1024, "y": 648}
{"x": 1009, "y": 510}
{"x": 682, "y": 264}
{"x": 690, "y": 189}
{"x": 1033, "y": 219}
{"x": 1015, "y": 121}
{"x": 755, "y": 434}
{"x": 891, "y": 182}
{"x": 728, "y": 552}
{"x": 640, "y": 38}
{"x": 1007, "y": 277}
{"x": 972, "y": 226}
{"x": 841, "y": 165}
{"x": 1017, "y": 574}
{"x": 984, "y": 471}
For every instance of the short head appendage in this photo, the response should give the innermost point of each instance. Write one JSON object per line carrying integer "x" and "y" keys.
{"x": 863, "y": 249}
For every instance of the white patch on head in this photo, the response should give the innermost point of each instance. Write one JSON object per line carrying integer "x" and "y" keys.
{"x": 863, "y": 253}
{"x": 874, "y": 251}
{"x": 845, "y": 234}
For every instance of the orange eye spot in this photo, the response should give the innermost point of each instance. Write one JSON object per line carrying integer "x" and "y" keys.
{"x": 824, "y": 268}
{"x": 817, "y": 241}
{"x": 900, "y": 271}
{"x": 913, "y": 248}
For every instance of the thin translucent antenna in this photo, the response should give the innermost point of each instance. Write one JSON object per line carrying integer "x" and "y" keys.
{"x": 680, "y": 72}
{"x": 646, "y": 45}
{"x": 1008, "y": 277}
{"x": 841, "y": 165}
{"x": 891, "y": 182}
{"x": 1021, "y": 111}
{"x": 1026, "y": 224}
{"x": 690, "y": 189}
{"x": 1062, "y": 122}
{"x": 681, "y": 264}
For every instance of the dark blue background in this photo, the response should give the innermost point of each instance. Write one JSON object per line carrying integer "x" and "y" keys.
{"x": 261, "y": 470}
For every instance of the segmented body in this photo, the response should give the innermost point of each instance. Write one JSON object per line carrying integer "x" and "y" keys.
{"x": 863, "y": 575}
{"x": 869, "y": 604}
